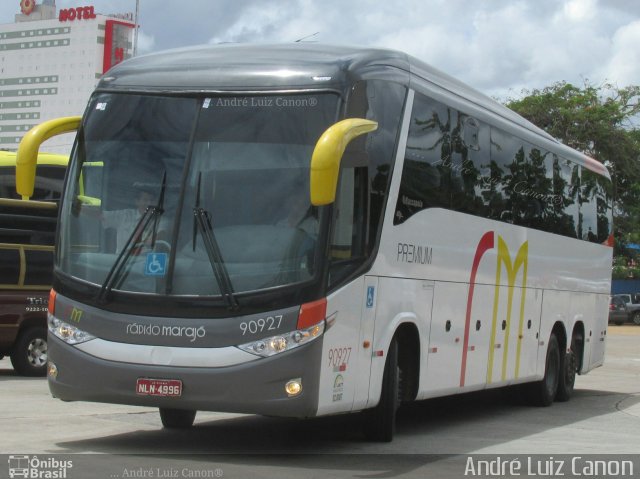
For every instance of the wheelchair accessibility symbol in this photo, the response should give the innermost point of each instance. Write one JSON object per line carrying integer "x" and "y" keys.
{"x": 370, "y": 296}
{"x": 156, "y": 264}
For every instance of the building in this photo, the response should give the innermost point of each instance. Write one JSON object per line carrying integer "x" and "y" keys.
{"x": 50, "y": 62}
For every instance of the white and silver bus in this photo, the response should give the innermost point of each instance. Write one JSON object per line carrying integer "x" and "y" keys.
{"x": 304, "y": 230}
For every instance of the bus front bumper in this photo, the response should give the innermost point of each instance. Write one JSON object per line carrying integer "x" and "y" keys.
{"x": 256, "y": 387}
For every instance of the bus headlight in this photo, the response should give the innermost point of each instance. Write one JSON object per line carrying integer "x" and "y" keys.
{"x": 266, "y": 347}
{"x": 68, "y": 333}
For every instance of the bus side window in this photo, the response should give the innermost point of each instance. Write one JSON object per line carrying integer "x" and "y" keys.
{"x": 348, "y": 243}
{"x": 604, "y": 211}
{"x": 443, "y": 159}
{"x": 8, "y": 182}
{"x": 588, "y": 205}
{"x": 49, "y": 182}
{"x": 364, "y": 180}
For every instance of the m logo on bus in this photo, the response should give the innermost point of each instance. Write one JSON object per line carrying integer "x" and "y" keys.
{"x": 492, "y": 241}
{"x": 76, "y": 315}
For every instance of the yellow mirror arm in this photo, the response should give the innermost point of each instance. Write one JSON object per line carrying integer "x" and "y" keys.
{"x": 327, "y": 155}
{"x": 27, "y": 155}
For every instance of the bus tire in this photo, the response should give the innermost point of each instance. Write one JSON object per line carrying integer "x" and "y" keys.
{"x": 29, "y": 353}
{"x": 543, "y": 393}
{"x": 379, "y": 423}
{"x": 177, "y": 418}
{"x": 568, "y": 371}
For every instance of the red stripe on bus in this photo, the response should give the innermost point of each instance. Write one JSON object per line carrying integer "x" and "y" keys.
{"x": 485, "y": 244}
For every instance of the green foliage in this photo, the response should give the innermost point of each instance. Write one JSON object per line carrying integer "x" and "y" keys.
{"x": 602, "y": 122}
{"x": 625, "y": 269}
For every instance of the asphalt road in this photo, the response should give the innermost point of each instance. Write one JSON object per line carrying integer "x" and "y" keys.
{"x": 433, "y": 437}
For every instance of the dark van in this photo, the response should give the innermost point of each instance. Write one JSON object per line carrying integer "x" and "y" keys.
{"x": 27, "y": 229}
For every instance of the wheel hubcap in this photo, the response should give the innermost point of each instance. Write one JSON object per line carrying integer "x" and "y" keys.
{"x": 37, "y": 352}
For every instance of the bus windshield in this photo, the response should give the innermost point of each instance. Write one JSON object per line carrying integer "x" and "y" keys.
{"x": 205, "y": 196}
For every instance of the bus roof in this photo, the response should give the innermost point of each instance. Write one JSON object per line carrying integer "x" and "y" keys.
{"x": 295, "y": 66}
{"x": 242, "y": 67}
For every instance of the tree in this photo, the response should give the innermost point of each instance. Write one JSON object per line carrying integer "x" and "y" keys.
{"x": 602, "y": 122}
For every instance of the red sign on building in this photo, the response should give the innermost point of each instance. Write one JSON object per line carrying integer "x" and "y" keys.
{"x": 79, "y": 13}
{"x": 116, "y": 43}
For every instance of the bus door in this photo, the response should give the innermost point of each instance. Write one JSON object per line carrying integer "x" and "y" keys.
{"x": 345, "y": 371}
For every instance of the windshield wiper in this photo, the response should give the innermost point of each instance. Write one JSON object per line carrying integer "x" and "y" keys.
{"x": 203, "y": 222}
{"x": 159, "y": 210}
{"x": 151, "y": 213}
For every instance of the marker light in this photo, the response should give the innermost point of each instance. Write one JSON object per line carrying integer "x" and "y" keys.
{"x": 312, "y": 313}
{"x": 52, "y": 370}
{"x": 52, "y": 301}
{"x": 69, "y": 334}
{"x": 293, "y": 387}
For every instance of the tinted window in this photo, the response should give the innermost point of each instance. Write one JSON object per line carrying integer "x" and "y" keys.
{"x": 9, "y": 266}
{"x": 27, "y": 225}
{"x": 447, "y": 164}
{"x": 454, "y": 161}
{"x": 231, "y": 171}
{"x": 364, "y": 179}
{"x": 8, "y": 182}
{"x": 48, "y": 185}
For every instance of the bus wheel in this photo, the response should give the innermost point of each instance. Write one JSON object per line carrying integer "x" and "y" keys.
{"x": 177, "y": 418}
{"x": 379, "y": 423}
{"x": 568, "y": 371}
{"x": 29, "y": 356}
{"x": 543, "y": 392}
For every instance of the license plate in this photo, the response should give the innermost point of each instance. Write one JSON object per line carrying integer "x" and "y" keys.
{"x": 159, "y": 387}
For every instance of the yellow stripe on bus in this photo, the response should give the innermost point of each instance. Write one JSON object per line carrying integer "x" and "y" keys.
{"x": 521, "y": 261}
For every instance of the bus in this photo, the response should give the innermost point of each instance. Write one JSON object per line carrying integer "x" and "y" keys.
{"x": 310, "y": 230}
{"x": 27, "y": 230}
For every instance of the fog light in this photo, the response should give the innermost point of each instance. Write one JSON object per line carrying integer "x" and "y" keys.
{"x": 293, "y": 387}
{"x": 52, "y": 370}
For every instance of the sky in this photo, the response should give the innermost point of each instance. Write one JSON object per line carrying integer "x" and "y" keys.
{"x": 500, "y": 47}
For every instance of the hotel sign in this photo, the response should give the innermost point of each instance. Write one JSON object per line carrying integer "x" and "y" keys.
{"x": 79, "y": 13}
